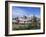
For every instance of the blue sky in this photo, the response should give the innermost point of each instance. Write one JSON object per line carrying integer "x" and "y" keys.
{"x": 27, "y": 11}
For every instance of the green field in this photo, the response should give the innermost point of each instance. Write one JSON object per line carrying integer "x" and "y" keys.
{"x": 24, "y": 26}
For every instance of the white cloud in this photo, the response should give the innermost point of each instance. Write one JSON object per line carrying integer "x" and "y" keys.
{"x": 19, "y": 12}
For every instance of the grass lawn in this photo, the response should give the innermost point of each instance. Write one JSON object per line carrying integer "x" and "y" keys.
{"x": 26, "y": 26}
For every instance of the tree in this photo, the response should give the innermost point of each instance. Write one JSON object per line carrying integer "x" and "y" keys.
{"x": 17, "y": 19}
{"x": 34, "y": 21}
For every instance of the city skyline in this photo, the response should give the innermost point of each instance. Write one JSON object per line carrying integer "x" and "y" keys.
{"x": 25, "y": 11}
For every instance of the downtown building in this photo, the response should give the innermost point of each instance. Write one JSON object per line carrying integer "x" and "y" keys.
{"x": 25, "y": 19}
